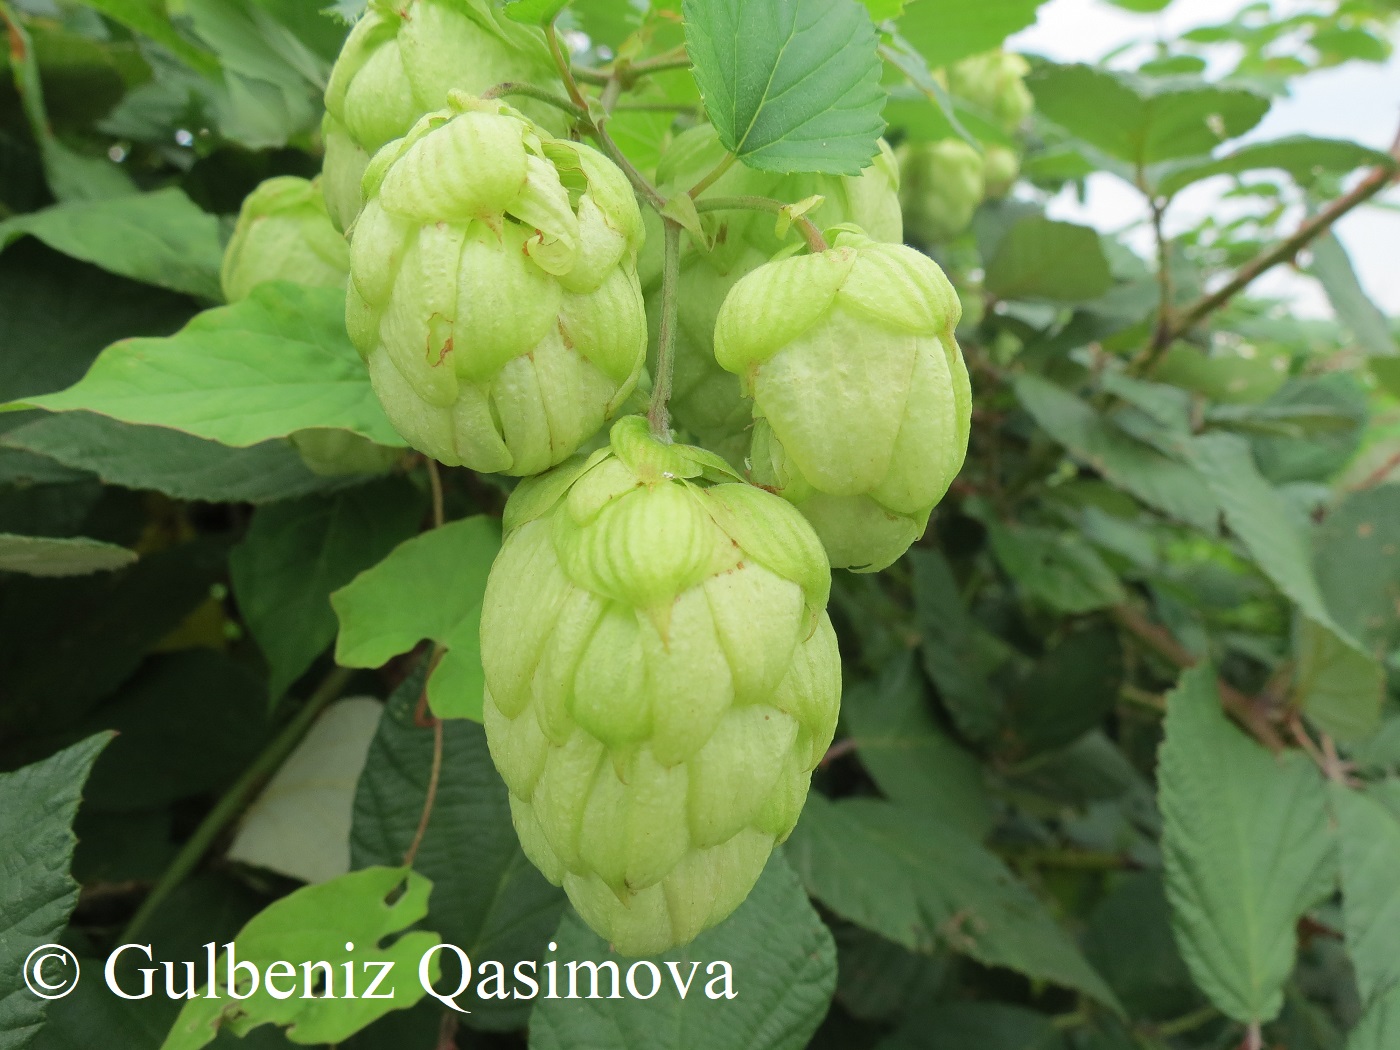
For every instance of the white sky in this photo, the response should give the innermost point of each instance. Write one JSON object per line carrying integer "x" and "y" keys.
{"x": 1359, "y": 101}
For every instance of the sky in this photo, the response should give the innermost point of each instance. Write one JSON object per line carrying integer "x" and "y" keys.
{"x": 1359, "y": 101}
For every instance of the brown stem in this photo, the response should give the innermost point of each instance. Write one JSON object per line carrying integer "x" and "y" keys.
{"x": 1378, "y": 475}
{"x": 434, "y": 776}
{"x": 435, "y": 485}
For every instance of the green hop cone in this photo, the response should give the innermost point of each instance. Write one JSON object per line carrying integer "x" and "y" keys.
{"x": 661, "y": 680}
{"x": 861, "y": 398}
{"x": 400, "y": 61}
{"x": 994, "y": 82}
{"x": 705, "y": 401}
{"x": 493, "y": 289}
{"x": 283, "y": 234}
{"x": 1001, "y": 167}
{"x": 941, "y": 184}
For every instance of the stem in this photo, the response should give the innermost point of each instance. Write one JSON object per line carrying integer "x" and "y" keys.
{"x": 725, "y": 163}
{"x": 566, "y": 72}
{"x": 1161, "y": 335}
{"x": 1253, "y": 1038}
{"x": 810, "y": 233}
{"x": 513, "y": 87}
{"x": 435, "y": 484}
{"x": 640, "y": 183}
{"x": 657, "y": 415}
{"x": 434, "y": 776}
{"x": 1186, "y": 1023}
{"x": 227, "y": 809}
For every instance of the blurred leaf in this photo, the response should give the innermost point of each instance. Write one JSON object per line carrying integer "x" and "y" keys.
{"x": 946, "y": 635}
{"x": 149, "y": 18}
{"x": 1340, "y": 687}
{"x": 1369, "y": 840}
{"x": 177, "y": 464}
{"x": 1303, "y": 157}
{"x": 784, "y": 972}
{"x": 1320, "y": 455}
{"x": 431, "y": 586}
{"x": 1358, "y": 566}
{"x": 297, "y": 552}
{"x": 1332, "y": 266}
{"x": 1380, "y": 1027}
{"x": 534, "y": 12}
{"x": 975, "y": 1026}
{"x": 1029, "y": 263}
{"x": 161, "y": 238}
{"x": 792, "y": 86}
{"x": 910, "y": 758}
{"x": 1056, "y": 567}
{"x": 275, "y": 363}
{"x": 1129, "y": 940}
{"x": 1144, "y": 121}
{"x": 877, "y": 979}
{"x": 487, "y": 898}
{"x": 37, "y": 806}
{"x": 1246, "y": 848}
{"x": 49, "y": 556}
{"x": 944, "y": 31}
{"x": 880, "y": 10}
{"x": 1066, "y": 693}
{"x": 920, "y": 882}
{"x": 316, "y": 923}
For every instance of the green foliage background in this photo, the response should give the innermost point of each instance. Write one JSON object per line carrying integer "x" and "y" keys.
{"x": 1119, "y": 760}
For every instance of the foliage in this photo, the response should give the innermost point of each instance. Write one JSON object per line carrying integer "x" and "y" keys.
{"x": 1118, "y": 759}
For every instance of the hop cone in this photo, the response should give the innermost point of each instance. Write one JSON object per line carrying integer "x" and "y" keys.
{"x": 493, "y": 289}
{"x": 860, "y": 395}
{"x": 994, "y": 82}
{"x": 706, "y": 401}
{"x": 283, "y": 234}
{"x": 941, "y": 184}
{"x": 661, "y": 679}
{"x": 399, "y": 62}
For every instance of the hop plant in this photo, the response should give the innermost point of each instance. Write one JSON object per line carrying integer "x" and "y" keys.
{"x": 661, "y": 679}
{"x": 994, "y": 82}
{"x": 283, "y": 234}
{"x": 1001, "y": 166}
{"x": 400, "y": 61}
{"x": 706, "y": 402}
{"x": 860, "y": 395}
{"x": 493, "y": 289}
{"x": 941, "y": 184}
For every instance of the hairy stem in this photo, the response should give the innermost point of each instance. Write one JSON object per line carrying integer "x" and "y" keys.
{"x": 512, "y": 87}
{"x": 810, "y": 233}
{"x": 657, "y": 413}
{"x": 237, "y": 797}
{"x": 566, "y": 71}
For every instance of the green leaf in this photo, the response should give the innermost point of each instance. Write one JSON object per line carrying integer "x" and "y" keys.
{"x": 790, "y": 86}
{"x": 1246, "y": 848}
{"x": 430, "y": 587}
{"x": 1340, "y": 687}
{"x": 783, "y": 971}
{"x": 161, "y": 238}
{"x": 921, "y": 883}
{"x": 1369, "y": 840}
{"x": 947, "y": 634}
{"x": 37, "y": 806}
{"x": 1144, "y": 121}
{"x": 1129, "y": 939}
{"x": 1358, "y": 565}
{"x": 297, "y": 552}
{"x": 975, "y": 1026}
{"x": 535, "y": 12}
{"x": 1304, "y": 157}
{"x": 273, "y": 364}
{"x": 880, "y": 10}
{"x": 487, "y": 898}
{"x": 1379, "y": 1027}
{"x": 1160, "y": 482}
{"x": 161, "y": 460}
{"x": 315, "y": 923}
{"x": 1057, "y": 567}
{"x": 149, "y": 18}
{"x": 911, "y": 759}
{"x": 1332, "y": 266}
{"x": 944, "y": 31}
{"x": 1066, "y": 693}
{"x": 47, "y": 556}
{"x": 1043, "y": 259}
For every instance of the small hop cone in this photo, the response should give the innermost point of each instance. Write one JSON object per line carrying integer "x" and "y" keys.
{"x": 661, "y": 680}
{"x": 283, "y": 234}
{"x": 995, "y": 82}
{"x": 403, "y": 59}
{"x": 941, "y": 184}
{"x": 861, "y": 398}
{"x": 493, "y": 289}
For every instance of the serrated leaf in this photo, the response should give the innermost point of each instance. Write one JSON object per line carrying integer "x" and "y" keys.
{"x": 429, "y": 587}
{"x": 1369, "y": 840}
{"x": 273, "y": 364}
{"x": 944, "y": 31}
{"x": 1340, "y": 687}
{"x": 1144, "y": 121}
{"x": 315, "y": 923}
{"x": 791, "y": 85}
{"x": 299, "y": 551}
{"x": 1246, "y": 848}
{"x": 1304, "y": 157}
{"x": 161, "y": 238}
{"x": 783, "y": 966}
{"x": 921, "y": 883}
{"x": 947, "y": 635}
{"x": 37, "y": 806}
{"x": 1057, "y": 567}
{"x": 48, "y": 556}
{"x": 487, "y": 898}
{"x": 1358, "y": 566}
{"x": 1043, "y": 259}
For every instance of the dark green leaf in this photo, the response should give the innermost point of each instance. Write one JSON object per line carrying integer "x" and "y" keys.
{"x": 1369, "y": 839}
{"x": 1129, "y": 939}
{"x": 1042, "y": 259}
{"x": 1056, "y": 567}
{"x": 1066, "y": 693}
{"x": 947, "y": 635}
{"x": 975, "y": 1026}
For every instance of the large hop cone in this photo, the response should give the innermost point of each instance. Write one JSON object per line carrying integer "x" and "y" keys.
{"x": 860, "y": 394}
{"x": 400, "y": 61}
{"x": 661, "y": 679}
{"x": 283, "y": 234}
{"x": 493, "y": 289}
{"x": 706, "y": 402}
{"x": 941, "y": 184}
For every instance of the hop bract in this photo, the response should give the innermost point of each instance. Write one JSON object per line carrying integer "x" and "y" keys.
{"x": 494, "y": 291}
{"x": 941, "y": 184}
{"x": 400, "y": 61}
{"x": 705, "y": 400}
{"x": 661, "y": 679}
{"x": 861, "y": 398}
{"x": 283, "y": 234}
{"x": 994, "y": 82}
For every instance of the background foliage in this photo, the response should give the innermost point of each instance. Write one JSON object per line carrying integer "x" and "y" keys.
{"x": 1119, "y": 749}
